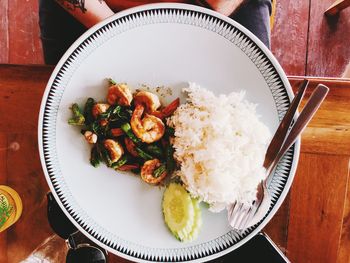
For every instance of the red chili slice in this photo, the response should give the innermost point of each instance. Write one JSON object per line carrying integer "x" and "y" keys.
{"x": 117, "y": 132}
{"x": 128, "y": 167}
{"x": 168, "y": 110}
{"x": 158, "y": 114}
{"x": 130, "y": 146}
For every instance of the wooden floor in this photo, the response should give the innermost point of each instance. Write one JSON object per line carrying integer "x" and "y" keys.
{"x": 304, "y": 41}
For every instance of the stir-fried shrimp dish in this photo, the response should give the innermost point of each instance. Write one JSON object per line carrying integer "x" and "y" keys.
{"x": 128, "y": 132}
{"x": 211, "y": 148}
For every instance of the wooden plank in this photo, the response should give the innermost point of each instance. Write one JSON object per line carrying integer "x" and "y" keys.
{"x": 331, "y": 124}
{"x": 21, "y": 95}
{"x": 316, "y": 211}
{"x": 289, "y": 35}
{"x": 337, "y": 6}
{"x": 3, "y": 181}
{"x": 328, "y": 48}
{"x": 29, "y": 181}
{"x": 24, "y": 37}
{"x": 4, "y": 38}
{"x": 314, "y": 81}
{"x": 3, "y": 155}
{"x": 343, "y": 254}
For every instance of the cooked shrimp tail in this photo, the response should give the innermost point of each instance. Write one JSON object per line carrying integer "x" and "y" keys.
{"x": 100, "y": 110}
{"x": 90, "y": 137}
{"x": 115, "y": 150}
{"x": 150, "y": 172}
{"x": 119, "y": 94}
{"x": 148, "y": 100}
{"x": 149, "y": 129}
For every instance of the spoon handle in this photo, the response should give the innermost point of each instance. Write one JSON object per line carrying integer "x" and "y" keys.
{"x": 281, "y": 132}
{"x": 304, "y": 118}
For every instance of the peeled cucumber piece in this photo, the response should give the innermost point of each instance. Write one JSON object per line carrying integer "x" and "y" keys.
{"x": 178, "y": 211}
{"x": 181, "y": 212}
{"x": 197, "y": 220}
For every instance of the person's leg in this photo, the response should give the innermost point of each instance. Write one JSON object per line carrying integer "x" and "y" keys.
{"x": 58, "y": 30}
{"x": 255, "y": 16}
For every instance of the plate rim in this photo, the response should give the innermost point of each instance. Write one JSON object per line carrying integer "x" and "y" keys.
{"x": 189, "y": 7}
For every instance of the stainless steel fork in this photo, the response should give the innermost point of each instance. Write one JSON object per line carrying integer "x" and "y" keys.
{"x": 241, "y": 215}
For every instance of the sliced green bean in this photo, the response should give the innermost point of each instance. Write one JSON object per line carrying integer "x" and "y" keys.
{"x": 78, "y": 117}
{"x": 111, "y": 81}
{"x": 159, "y": 171}
{"x": 143, "y": 154}
{"x": 89, "y": 118}
{"x": 105, "y": 156}
{"x": 169, "y": 131}
{"x": 170, "y": 162}
{"x": 155, "y": 150}
{"x": 123, "y": 160}
{"x": 112, "y": 110}
{"x": 136, "y": 171}
{"x": 100, "y": 131}
{"x": 128, "y": 131}
{"x": 95, "y": 157}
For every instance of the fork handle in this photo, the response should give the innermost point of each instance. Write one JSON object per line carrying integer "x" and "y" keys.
{"x": 304, "y": 118}
{"x": 282, "y": 130}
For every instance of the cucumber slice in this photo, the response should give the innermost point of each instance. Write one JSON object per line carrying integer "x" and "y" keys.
{"x": 178, "y": 210}
{"x": 197, "y": 220}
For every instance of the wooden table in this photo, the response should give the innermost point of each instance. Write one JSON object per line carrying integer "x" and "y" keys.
{"x": 313, "y": 224}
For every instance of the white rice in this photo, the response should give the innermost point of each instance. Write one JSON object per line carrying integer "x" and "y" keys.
{"x": 220, "y": 144}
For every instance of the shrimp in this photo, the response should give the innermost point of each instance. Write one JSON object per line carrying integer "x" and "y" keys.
{"x": 147, "y": 172}
{"x": 99, "y": 108}
{"x": 149, "y": 100}
{"x": 90, "y": 137}
{"x": 149, "y": 129}
{"x": 119, "y": 94}
{"x": 114, "y": 149}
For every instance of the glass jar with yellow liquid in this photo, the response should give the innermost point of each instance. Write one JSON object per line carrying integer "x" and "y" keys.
{"x": 10, "y": 207}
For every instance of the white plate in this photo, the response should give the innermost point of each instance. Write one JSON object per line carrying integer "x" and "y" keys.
{"x": 158, "y": 45}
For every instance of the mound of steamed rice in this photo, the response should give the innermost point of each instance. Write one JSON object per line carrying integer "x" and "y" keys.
{"x": 220, "y": 144}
